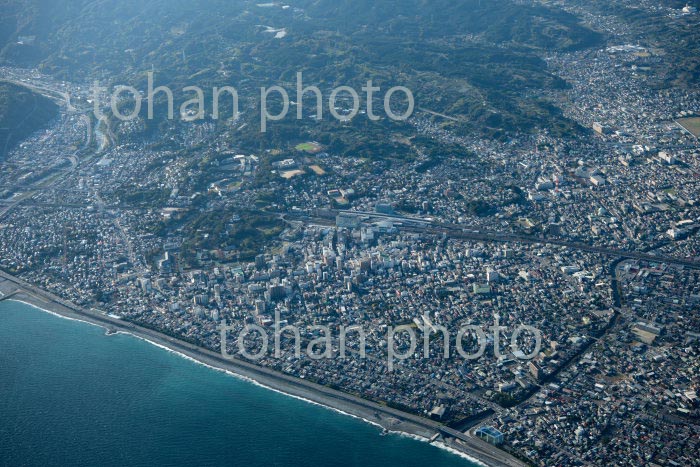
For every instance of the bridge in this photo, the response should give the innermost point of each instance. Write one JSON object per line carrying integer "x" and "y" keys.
{"x": 454, "y": 433}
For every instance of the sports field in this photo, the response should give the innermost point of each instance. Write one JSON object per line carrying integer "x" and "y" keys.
{"x": 311, "y": 147}
{"x": 691, "y": 124}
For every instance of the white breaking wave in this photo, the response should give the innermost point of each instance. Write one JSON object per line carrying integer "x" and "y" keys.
{"x": 258, "y": 384}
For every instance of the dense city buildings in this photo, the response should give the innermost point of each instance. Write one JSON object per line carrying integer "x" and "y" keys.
{"x": 592, "y": 238}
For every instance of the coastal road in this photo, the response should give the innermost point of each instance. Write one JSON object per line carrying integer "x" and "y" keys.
{"x": 368, "y": 410}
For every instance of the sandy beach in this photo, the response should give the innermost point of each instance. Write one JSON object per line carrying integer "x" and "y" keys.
{"x": 391, "y": 419}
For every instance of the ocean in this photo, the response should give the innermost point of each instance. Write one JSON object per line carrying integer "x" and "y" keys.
{"x": 71, "y": 395}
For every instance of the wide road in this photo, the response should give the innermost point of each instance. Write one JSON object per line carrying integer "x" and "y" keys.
{"x": 456, "y": 232}
{"x": 427, "y": 226}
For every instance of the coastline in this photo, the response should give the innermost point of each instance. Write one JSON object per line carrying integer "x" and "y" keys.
{"x": 473, "y": 449}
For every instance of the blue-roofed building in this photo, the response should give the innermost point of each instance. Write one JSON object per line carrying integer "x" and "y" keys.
{"x": 490, "y": 435}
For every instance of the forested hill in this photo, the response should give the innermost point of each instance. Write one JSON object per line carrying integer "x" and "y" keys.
{"x": 22, "y": 112}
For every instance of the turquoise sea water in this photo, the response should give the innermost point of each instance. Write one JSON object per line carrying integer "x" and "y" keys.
{"x": 69, "y": 395}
